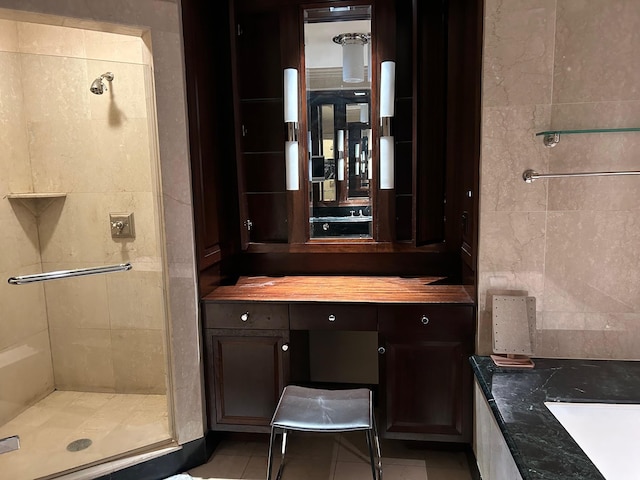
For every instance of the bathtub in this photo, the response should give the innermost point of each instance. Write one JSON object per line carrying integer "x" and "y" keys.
{"x": 609, "y": 434}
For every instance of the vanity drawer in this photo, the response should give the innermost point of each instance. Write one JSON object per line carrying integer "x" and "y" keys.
{"x": 268, "y": 315}
{"x": 332, "y": 316}
{"x": 438, "y": 321}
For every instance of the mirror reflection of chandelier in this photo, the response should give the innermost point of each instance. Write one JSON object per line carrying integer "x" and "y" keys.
{"x": 353, "y": 52}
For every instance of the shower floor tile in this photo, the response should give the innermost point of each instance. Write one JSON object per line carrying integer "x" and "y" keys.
{"x": 115, "y": 423}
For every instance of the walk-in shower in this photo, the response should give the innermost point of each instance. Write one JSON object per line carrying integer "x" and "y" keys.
{"x": 97, "y": 86}
{"x": 83, "y": 357}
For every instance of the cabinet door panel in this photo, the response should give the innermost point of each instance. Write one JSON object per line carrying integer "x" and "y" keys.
{"x": 248, "y": 377}
{"x": 258, "y": 55}
{"x": 268, "y": 215}
{"x": 263, "y": 126}
{"x": 264, "y": 172}
{"x": 425, "y": 374}
{"x": 426, "y": 385}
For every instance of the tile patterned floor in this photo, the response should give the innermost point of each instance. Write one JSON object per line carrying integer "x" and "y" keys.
{"x": 116, "y": 423}
{"x": 312, "y": 456}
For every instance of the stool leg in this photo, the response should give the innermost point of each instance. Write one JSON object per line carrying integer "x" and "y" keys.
{"x": 377, "y": 445}
{"x": 283, "y": 451}
{"x": 370, "y": 441}
{"x": 270, "y": 457}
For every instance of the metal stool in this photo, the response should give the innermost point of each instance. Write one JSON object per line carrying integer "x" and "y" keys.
{"x": 316, "y": 410}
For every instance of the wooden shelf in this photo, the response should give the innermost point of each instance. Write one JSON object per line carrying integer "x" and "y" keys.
{"x": 36, "y": 203}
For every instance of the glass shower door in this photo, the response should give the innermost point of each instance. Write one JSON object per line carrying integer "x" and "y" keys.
{"x": 83, "y": 357}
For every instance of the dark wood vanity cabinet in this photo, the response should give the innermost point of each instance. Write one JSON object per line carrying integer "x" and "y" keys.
{"x": 425, "y": 377}
{"x": 255, "y": 348}
{"x": 248, "y": 224}
{"x": 247, "y": 363}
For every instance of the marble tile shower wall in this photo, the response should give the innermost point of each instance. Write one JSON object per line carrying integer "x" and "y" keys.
{"x": 24, "y": 345}
{"x": 572, "y": 243}
{"x": 106, "y": 332}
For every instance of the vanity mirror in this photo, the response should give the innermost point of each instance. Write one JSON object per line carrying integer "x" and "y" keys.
{"x": 338, "y": 63}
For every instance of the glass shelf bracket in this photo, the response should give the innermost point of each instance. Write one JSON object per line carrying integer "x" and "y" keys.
{"x": 550, "y": 138}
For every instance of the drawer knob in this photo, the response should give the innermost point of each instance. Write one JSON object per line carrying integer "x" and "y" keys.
{"x": 381, "y": 350}
{"x": 332, "y": 318}
{"x": 424, "y": 320}
{"x": 244, "y": 317}
{"x": 285, "y": 347}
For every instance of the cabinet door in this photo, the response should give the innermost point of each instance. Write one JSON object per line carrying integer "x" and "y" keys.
{"x": 425, "y": 375}
{"x": 247, "y": 370}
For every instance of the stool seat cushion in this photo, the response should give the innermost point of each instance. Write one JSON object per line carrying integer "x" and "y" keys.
{"x": 319, "y": 410}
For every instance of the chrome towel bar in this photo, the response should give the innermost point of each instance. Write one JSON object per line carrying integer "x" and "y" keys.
{"x": 79, "y": 272}
{"x": 530, "y": 175}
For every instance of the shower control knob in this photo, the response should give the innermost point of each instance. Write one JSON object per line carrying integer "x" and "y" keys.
{"x": 285, "y": 347}
{"x": 119, "y": 225}
{"x": 382, "y": 350}
{"x": 244, "y": 317}
{"x": 424, "y": 320}
{"x": 332, "y": 318}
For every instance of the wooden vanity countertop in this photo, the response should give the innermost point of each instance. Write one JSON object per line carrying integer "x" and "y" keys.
{"x": 355, "y": 289}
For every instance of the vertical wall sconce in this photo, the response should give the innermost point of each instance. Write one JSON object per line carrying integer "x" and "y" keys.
{"x": 340, "y": 155}
{"x": 387, "y": 104}
{"x": 291, "y": 123}
{"x": 364, "y": 113}
{"x": 353, "y": 50}
{"x": 356, "y": 156}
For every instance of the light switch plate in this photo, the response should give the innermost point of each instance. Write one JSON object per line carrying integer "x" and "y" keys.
{"x": 122, "y": 225}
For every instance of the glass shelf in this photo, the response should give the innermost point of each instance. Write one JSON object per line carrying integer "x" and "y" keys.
{"x": 552, "y": 137}
{"x": 36, "y": 203}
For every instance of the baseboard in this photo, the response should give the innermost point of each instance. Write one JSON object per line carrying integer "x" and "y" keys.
{"x": 189, "y": 456}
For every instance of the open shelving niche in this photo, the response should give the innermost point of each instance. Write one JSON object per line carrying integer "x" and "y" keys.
{"x": 36, "y": 203}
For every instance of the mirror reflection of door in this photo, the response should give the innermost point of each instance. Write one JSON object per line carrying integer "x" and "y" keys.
{"x": 338, "y": 79}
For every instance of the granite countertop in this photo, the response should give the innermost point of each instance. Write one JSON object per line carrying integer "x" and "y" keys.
{"x": 541, "y": 447}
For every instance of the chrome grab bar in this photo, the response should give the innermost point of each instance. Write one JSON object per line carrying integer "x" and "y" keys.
{"x": 79, "y": 272}
{"x": 530, "y": 175}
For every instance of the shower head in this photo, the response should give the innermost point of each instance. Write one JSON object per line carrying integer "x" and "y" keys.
{"x": 97, "y": 86}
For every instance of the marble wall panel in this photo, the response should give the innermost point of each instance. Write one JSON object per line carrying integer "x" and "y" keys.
{"x": 586, "y": 289}
{"x": 79, "y": 302}
{"x": 125, "y": 98}
{"x": 596, "y": 57}
{"x": 82, "y": 359}
{"x": 82, "y": 233}
{"x": 114, "y": 47}
{"x": 27, "y": 359}
{"x": 8, "y": 36}
{"x": 19, "y": 236}
{"x": 42, "y": 39}
{"x": 14, "y": 155}
{"x": 139, "y": 360}
{"x": 518, "y": 52}
{"x": 509, "y": 148}
{"x": 24, "y": 312}
{"x": 136, "y": 300}
{"x": 55, "y": 88}
{"x": 590, "y": 262}
{"x": 111, "y": 160}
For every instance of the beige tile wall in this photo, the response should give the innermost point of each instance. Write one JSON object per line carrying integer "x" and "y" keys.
{"x": 107, "y": 333}
{"x": 571, "y": 243}
{"x": 24, "y": 337}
